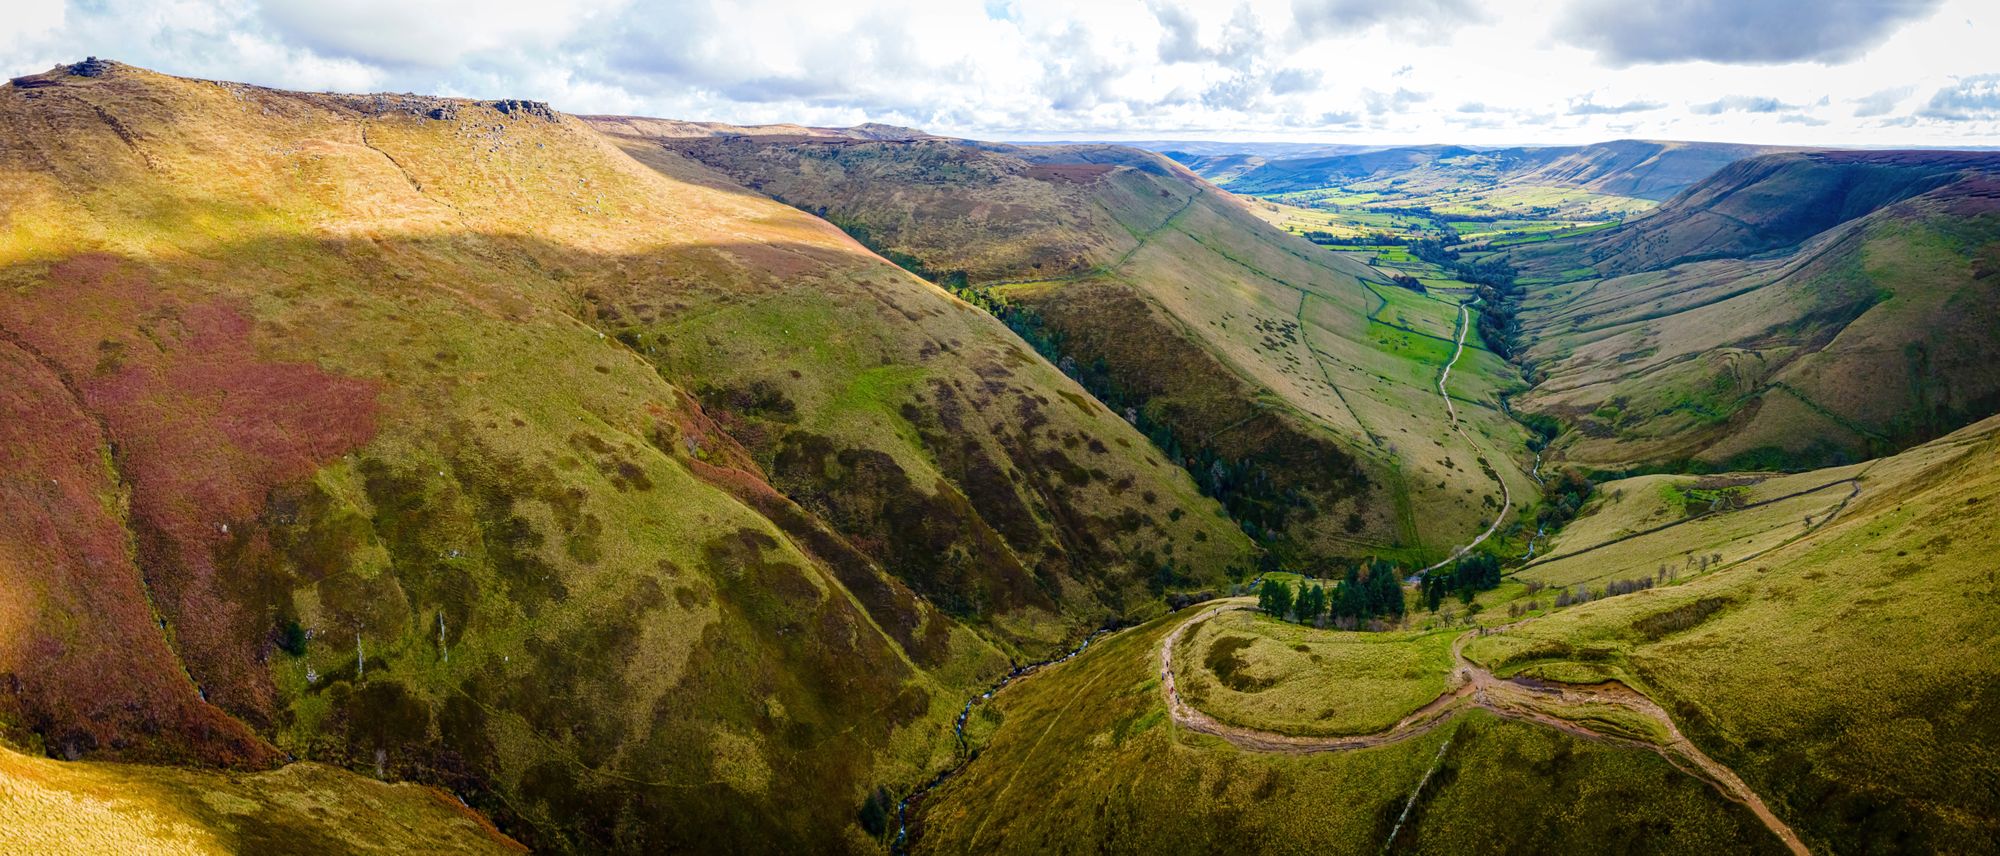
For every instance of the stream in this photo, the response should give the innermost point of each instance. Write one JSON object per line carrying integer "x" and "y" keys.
{"x": 896, "y": 847}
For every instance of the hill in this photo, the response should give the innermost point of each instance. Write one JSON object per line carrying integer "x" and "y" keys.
{"x": 1641, "y": 169}
{"x": 1298, "y": 385}
{"x": 1859, "y": 650}
{"x": 1838, "y": 671}
{"x": 440, "y": 440}
{"x": 110, "y": 809}
{"x": 1793, "y": 310}
{"x": 1761, "y": 204}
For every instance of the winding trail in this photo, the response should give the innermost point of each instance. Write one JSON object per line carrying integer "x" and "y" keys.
{"x": 1469, "y": 686}
{"x": 1451, "y": 411}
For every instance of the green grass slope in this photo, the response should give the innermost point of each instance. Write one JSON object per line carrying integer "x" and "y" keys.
{"x": 1847, "y": 672}
{"x": 95, "y": 808}
{"x": 1760, "y": 204}
{"x": 1872, "y": 335}
{"x": 1086, "y": 760}
{"x": 1843, "y": 666}
{"x": 1258, "y": 672}
{"x": 1252, "y": 347}
{"x": 443, "y": 441}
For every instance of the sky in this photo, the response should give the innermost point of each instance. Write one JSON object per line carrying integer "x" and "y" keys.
{"x": 1799, "y": 72}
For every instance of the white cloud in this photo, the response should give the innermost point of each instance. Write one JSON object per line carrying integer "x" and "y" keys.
{"x": 428, "y": 33}
{"x": 1353, "y": 70}
{"x": 28, "y": 21}
{"x": 1588, "y": 106}
{"x": 1880, "y": 102}
{"x": 1742, "y": 104}
{"x": 1972, "y": 98}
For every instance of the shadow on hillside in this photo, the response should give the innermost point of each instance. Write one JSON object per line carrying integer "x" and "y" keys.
{"x": 390, "y": 497}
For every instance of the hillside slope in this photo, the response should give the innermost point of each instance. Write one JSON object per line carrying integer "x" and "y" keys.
{"x": 1642, "y": 169}
{"x": 1761, "y": 204}
{"x": 1793, "y": 310}
{"x": 441, "y": 440}
{"x": 1287, "y": 374}
{"x": 1843, "y": 671}
{"x": 1846, "y": 672}
{"x": 92, "y": 808}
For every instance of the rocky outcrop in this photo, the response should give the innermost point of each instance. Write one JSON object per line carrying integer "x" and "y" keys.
{"x": 90, "y": 67}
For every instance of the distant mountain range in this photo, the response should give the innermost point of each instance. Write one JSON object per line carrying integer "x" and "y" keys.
{"x": 1637, "y": 168}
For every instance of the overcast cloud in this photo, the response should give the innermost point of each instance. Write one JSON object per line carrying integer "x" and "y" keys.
{"x": 1830, "y": 72}
{"x": 1737, "y": 31}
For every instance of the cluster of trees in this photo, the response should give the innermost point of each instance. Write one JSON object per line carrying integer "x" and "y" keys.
{"x": 1618, "y": 587}
{"x": 1565, "y": 492}
{"x": 1370, "y": 590}
{"x": 877, "y": 811}
{"x": 1377, "y": 239}
{"x": 954, "y": 280}
{"x": 1499, "y": 299}
{"x": 1467, "y": 577}
{"x": 1696, "y": 563}
{"x": 1493, "y": 279}
{"x": 1404, "y": 280}
{"x": 1437, "y": 250}
{"x": 1463, "y": 216}
{"x": 1164, "y": 576}
{"x": 1546, "y": 429}
{"x": 1243, "y": 485}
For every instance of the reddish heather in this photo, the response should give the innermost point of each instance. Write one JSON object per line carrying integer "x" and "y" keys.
{"x": 202, "y": 431}
{"x": 80, "y": 656}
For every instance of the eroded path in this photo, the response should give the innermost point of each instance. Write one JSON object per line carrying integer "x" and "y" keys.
{"x": 1472, "y": 685}
{"x": 1451, "y": 412}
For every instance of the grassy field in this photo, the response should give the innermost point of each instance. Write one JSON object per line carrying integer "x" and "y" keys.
{"x": 1343, "y": 216}
{"x": 1088, "y": 762}
{"x": 1844, "y": 674}
{"x": 1642, "y": 525}
{"x": 1251, "y": 670}
{"x": 1510, "y": 787}
{"x": 1380, "y": 207}
{"x": 105, "y": 809}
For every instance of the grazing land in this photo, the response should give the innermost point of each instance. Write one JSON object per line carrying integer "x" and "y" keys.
{"x": 1259, "y": 672}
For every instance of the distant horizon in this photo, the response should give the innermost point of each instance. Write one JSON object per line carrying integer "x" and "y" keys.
{"x": 1149, "y": 143}
{"x": 1157, "y": 140}
{"x": 1809, "y": 73}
